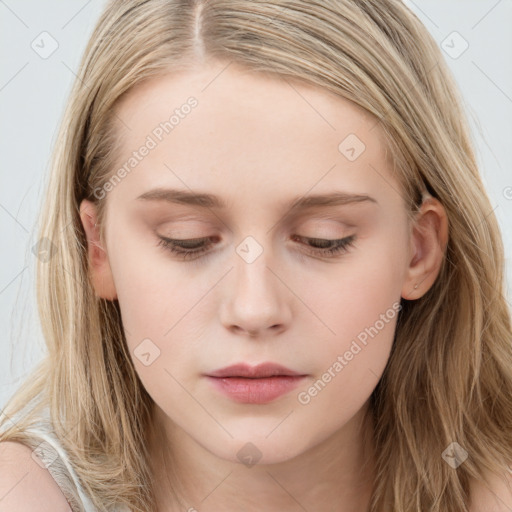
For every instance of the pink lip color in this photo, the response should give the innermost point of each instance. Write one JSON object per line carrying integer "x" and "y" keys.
{"x": 258, "y": 384}
{"x": 255, "y": 390}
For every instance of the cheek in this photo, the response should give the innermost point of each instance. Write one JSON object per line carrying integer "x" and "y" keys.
{"x": 166, "y": 311}
{"x": 158, "y": 316}
{"x": 151, "y": 288}
{"x": 358, "y": 304}
{"x": 352, "y": 294}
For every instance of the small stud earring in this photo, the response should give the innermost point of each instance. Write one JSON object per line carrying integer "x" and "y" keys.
{"x": 415, "y": 286}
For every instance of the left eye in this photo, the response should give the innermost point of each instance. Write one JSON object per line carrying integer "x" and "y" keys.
{"x": 327, "y": 247}
{"x": 193, "y": 247}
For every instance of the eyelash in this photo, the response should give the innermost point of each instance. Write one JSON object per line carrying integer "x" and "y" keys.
{"x": 341, "y": 246}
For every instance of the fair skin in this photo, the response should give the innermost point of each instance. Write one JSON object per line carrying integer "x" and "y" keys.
{"x": 257, "y": 143}
{"x": 311, "y": 455}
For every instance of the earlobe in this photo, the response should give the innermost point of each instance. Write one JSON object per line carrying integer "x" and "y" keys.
{"x": 429, "y": 239}
{"x": 97, "y": 257}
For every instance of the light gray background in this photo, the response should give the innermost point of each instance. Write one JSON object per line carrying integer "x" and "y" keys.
{"x": 33, "y": 91}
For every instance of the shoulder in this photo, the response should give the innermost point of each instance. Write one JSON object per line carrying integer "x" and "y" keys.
{"x": 25, "y": 483}
{"x": 495, "y": 495}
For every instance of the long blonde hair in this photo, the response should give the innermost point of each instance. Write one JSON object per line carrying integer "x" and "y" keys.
{"x": 449, "y": 376}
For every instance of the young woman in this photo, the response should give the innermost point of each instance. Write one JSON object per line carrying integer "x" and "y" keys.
{"x": 276, "y": 281}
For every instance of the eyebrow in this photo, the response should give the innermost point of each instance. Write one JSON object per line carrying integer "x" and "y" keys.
{"x": 204, "y": 200}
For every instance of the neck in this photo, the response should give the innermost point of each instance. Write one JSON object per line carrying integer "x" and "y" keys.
{"x": 335, "y": 474}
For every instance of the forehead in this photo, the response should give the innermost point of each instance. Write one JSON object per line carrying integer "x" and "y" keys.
{"x": 230, "y": 96}
{"x": 249, "y": 135}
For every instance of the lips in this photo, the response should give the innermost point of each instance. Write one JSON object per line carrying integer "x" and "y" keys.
{"x": 259, "y": 371}
{"x": 259, "y": 384}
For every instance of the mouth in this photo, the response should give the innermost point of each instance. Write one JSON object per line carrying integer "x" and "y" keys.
{"x": 257, "y": 384}
{"x": 262, "y": 370}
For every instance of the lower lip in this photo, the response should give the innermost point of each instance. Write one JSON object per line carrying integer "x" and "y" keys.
{"x": 256, "y": 391}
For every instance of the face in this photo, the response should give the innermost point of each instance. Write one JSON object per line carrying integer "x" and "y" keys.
{"x": 249, "y": 278}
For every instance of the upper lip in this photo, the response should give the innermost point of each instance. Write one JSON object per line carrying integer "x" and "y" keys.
{"x": 259, "y": 371}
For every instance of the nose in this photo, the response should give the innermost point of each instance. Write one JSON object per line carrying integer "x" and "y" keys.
{"x": 256, "y": 301}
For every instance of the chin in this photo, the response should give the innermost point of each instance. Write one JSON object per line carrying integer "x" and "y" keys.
{"x": 261, "y": 449}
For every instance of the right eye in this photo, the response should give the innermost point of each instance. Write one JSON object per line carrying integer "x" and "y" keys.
{"x": 186, "y": 249}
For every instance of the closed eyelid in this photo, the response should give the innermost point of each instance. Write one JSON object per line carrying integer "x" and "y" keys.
{"x": 328, "y": 223}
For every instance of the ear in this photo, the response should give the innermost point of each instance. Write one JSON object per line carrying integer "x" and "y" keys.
{"x": 99, "y": 266}
{"x": 429, "y": 239}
